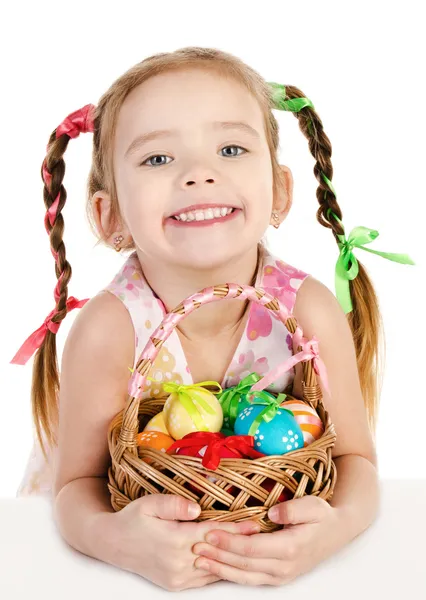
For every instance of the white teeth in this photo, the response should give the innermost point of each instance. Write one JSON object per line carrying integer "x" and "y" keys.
{"x": 206, "y": 214}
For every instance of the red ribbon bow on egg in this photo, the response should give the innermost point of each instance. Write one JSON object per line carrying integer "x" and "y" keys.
{"x": 241, "y": 445}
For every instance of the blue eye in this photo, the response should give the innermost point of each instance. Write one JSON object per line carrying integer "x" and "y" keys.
{"x": 159, "y": 164}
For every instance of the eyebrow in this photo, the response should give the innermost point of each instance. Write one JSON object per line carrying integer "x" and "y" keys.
{"x": 162, "y": 133}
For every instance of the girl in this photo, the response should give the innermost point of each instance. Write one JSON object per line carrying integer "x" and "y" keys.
{"x": 195, "y": 219}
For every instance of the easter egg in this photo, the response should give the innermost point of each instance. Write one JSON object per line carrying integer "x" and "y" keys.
{"x": 199, "y": 451}
{"x": 240, "y": 403}
{"x": 307, "y": 418}
{"x": 179, "y": 421}
{"x": 218, "y": 446}
{"x": 154, "y": 439}
{"x": 280, "y": 435}
{"x": 157, "y": 424}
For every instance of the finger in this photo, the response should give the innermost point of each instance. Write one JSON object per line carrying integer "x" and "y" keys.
{"x": 229, "y": 573}
{"x": 244, "y": 527}
{"x": 270, "y": 566}
{"x": 202, "y": 581}
{"x": 279, "y": 544}
{"x": 196, "y": 532}
{"x": 169, "y": 506}
{"x": 308, "y": 509}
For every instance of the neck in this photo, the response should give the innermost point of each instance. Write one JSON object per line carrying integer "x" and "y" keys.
{"x": 215, "y": 319}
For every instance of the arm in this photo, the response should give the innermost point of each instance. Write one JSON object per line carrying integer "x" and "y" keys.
{"x": 83, "y": 513}
{"x": 93, "y": 389}
{"x": 356, "y": 493}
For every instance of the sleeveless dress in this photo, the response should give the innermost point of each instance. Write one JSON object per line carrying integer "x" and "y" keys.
{"x": 264, "y": 344}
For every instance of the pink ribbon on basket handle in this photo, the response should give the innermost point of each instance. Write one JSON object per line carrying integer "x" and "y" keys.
{"x": 309, "y": 351}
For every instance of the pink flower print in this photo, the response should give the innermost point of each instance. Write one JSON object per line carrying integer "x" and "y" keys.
{"x": 289, "y": 340}
{"x": 259, "y": 322}
{"x": 283, "y": 281}
{"x": 133, "y": 280}
{"x": 128, "y": 282}
{"x": 243, "y": 366}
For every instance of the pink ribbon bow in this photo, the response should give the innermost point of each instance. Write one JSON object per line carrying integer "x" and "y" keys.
{"x": 309, "y": 351}
{"x": 79, "y": 121}
{"x": 35, "y": 340}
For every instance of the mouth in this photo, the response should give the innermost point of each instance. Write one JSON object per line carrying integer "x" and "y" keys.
{"x": 176, "y": 221}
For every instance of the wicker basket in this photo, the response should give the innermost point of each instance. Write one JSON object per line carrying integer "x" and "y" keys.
{"x": 309, "y": 470}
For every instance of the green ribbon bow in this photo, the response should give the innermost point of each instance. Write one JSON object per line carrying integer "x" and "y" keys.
{"x": 267, "y": 414}
{"x": 293, "y": 105}
{"x": 343, "y": 273}
{"x": 189, "y": 402}
{"x": 230, "y": 397}
{"x": 358, "y": 236}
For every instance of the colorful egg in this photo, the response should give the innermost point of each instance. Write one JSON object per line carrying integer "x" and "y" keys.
{"x": 199, "y": 451}
{"x": 154, "y": 439}
{"x": 307, "y": 418}
{"x": 178, "y": 420}
{"x": 157, "y": 424}
{"x": 279, "y": 436}
{"x": 243, "y": 401}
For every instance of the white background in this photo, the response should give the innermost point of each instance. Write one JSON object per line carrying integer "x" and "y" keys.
{"x": 361, "y": 66}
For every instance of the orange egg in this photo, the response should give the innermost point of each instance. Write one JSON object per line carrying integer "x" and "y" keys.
{"x": 307, "y": 418}
{"x": 154, "y": 439}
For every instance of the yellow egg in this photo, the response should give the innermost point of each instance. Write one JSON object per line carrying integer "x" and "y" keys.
{"x": 179, "y": 421}
{"x": 157, "y": 424}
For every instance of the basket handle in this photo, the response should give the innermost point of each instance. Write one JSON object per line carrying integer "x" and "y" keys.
{"x": 311, "y": 389}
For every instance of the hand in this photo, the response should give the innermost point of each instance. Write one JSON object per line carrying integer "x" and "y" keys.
{"x": 151, "y": 540}
{"x": 314, "y": 532}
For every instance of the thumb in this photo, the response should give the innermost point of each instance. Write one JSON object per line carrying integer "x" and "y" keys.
{"x": 308, "y": 509}
{"x": 170, "y": 507}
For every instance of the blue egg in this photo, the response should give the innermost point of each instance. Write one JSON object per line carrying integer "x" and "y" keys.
{"x": 280, "y": 435}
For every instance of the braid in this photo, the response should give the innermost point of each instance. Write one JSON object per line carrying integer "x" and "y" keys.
{"x": 44, "y": 397}
{"x": 365, "y": 319}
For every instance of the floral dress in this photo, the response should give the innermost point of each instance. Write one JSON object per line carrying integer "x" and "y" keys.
{"x": 264, "y": 344}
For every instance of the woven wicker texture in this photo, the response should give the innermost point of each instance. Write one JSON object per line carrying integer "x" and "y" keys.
{"x": 309, "y": 470}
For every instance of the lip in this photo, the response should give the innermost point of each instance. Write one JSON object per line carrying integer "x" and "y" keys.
{"x": 200, "y": 207}
{"x": 204, "y": 222}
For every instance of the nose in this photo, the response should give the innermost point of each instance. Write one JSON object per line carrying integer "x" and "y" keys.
{"x": 198, "y": 170}
{"x": 192, "y": 182}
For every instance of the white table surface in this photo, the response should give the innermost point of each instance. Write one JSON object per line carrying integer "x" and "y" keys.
{"x": 387, "y": 561}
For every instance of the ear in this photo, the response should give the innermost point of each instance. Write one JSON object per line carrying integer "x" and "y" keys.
{"x": 283, "y": 198}
{"x": 107, "y": 224}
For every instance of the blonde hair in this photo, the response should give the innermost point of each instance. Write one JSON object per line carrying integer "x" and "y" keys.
{"x": 364, "y": 320}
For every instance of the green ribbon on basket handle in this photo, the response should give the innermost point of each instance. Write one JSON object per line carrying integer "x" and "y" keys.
{"x": 189, "y": 402}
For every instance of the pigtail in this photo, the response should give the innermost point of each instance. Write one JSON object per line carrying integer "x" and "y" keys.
{"x": 365, "y": 318}
{"x": 45, "y": 374}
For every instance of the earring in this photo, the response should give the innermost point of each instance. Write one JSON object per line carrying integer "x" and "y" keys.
{"x": 117, "y": 241}
{"x": 276, "y": 219}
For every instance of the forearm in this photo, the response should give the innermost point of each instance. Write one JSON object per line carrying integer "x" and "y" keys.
{"x": 83, "y": 514}
{"x": 356, "y": 493}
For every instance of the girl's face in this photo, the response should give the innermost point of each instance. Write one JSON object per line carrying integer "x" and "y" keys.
{"x": 205, "y": 159}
